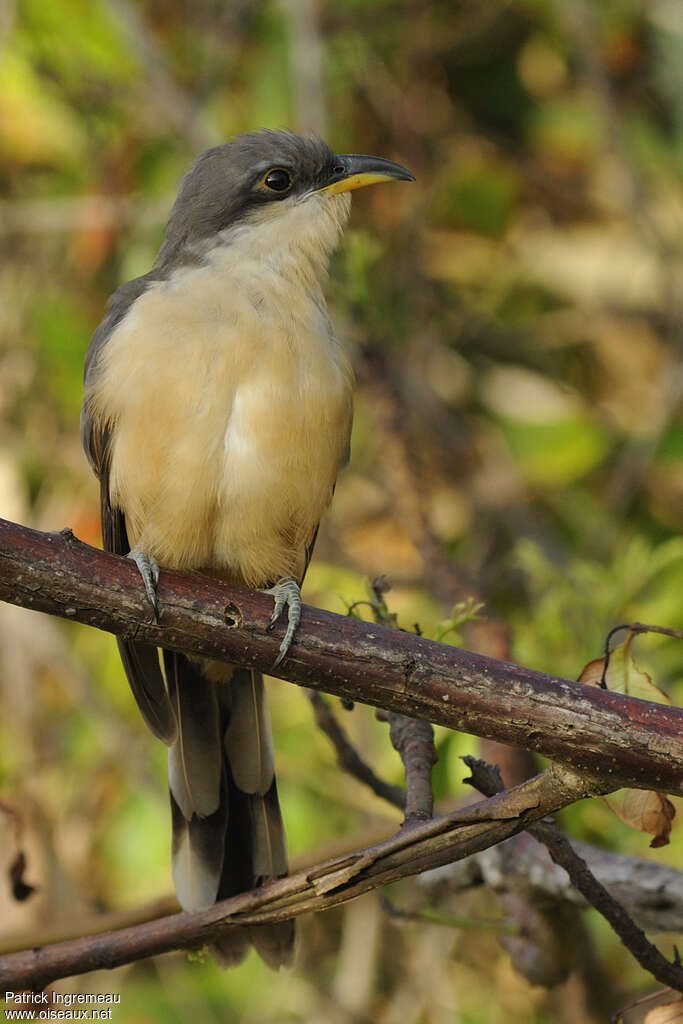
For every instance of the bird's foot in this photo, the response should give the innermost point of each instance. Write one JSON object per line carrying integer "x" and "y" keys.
{"x": 286, "y": 592}
{"x": 149, "y": 570}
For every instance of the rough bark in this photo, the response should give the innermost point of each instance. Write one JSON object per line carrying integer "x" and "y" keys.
{"x": 412, "y": 850}
{"x": 631, "y": 742}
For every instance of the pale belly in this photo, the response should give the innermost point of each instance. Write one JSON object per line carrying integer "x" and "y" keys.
{"x": 230, "y": 432}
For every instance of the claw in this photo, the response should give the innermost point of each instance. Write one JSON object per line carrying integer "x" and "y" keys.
{"x": 149, "y": 570}
{"x": 280, "y": 603}
{"x": 286, "y": 592}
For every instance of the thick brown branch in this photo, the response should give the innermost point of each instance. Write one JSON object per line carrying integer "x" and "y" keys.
{"x": 412, "y": 850}
{"x": 652, "y": 893}
{"x": 631, "y": 742}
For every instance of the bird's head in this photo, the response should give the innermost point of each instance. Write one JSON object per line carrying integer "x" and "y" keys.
{"x": 273, "y": 187}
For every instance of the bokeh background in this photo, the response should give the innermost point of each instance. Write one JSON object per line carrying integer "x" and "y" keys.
{"x": 516, "y": 319}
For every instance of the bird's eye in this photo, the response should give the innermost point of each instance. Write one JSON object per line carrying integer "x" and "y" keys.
{"x": 277, "y": 180}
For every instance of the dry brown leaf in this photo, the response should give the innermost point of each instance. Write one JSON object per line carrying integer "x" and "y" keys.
{"x": 591, "y": 674}
{"x": 623, "y": 675}
{"x": 645, "y": 810}
{"x": 667, "y": 1013}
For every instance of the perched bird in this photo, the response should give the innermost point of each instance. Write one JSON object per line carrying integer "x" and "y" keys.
{"x": 217, "y": 414}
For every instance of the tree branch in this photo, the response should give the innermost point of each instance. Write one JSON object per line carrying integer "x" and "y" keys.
{"x": 651, "y": 892}
{"x": 487, "y": 780}
{"x": 348, "y": 758}
{"x": 628, "y": 741}
{"x": 413, "y": 740}
{"x": 410, "y": 851}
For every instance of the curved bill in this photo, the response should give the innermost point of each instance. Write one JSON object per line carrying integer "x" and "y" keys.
{"x": 351, "y": 170}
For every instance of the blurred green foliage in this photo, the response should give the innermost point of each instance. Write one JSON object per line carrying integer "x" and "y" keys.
{"x": 516, "y": 323}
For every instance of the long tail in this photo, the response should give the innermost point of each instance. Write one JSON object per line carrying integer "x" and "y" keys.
{"x": 228, "y": 834}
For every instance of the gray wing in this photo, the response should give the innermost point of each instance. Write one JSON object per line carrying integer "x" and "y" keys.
{"x": 140, "y": 661}
{"x": 95, "y": 434}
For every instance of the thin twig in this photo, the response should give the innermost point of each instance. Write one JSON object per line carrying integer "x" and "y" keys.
{"x": 486, "y": 779}
{"x": 348, "y": 758}
{"x": 75, "y": 213}
{"x": 634, "y": 627}
{"x": 177, "y": 107}
{"x": 647, "y": 955}
{"x": 412, "y": 739}
{"x": 429, "y": 915}
{"x": 306, "y": 62}
{"x": 618, "y": 1017}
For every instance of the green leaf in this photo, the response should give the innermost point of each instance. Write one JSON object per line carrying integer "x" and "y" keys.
{"x": 557, "y": 452}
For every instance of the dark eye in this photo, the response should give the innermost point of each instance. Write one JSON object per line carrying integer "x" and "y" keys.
{"x": 278, "y": 180}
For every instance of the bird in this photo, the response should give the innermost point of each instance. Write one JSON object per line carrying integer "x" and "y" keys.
{"x": 216, "y": 415}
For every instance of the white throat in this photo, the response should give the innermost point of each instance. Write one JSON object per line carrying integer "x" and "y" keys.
{"x": 294, "y": 238}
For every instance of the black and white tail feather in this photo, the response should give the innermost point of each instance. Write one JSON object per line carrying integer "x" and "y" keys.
{"x": 228, "y": 834}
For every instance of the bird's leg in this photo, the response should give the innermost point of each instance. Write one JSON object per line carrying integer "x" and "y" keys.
{"x": 149, "y": 570}
{"x": 286, "y": 592}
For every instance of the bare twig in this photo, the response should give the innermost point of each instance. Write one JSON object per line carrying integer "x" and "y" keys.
{"x": 178, "y": 109}
{"x": 631, "y": 742}
{"x": 618, "y": 1017}
{"x": 390, "y": 407}
{"x": 74, "y": 213}
{"x": 487, "y": 780}
{"x": 411, "y": 850}
{"x": 348, "y": 757}
{"x": 412, "y": 739}
{"x": 430, "y": 915}
{"x": 647, "y": 955}
{"x": 414, "y": 742}
{"x": 634, "y": 627}
{"x": 306, "y": 62}
{"x": 522, "y": 863}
